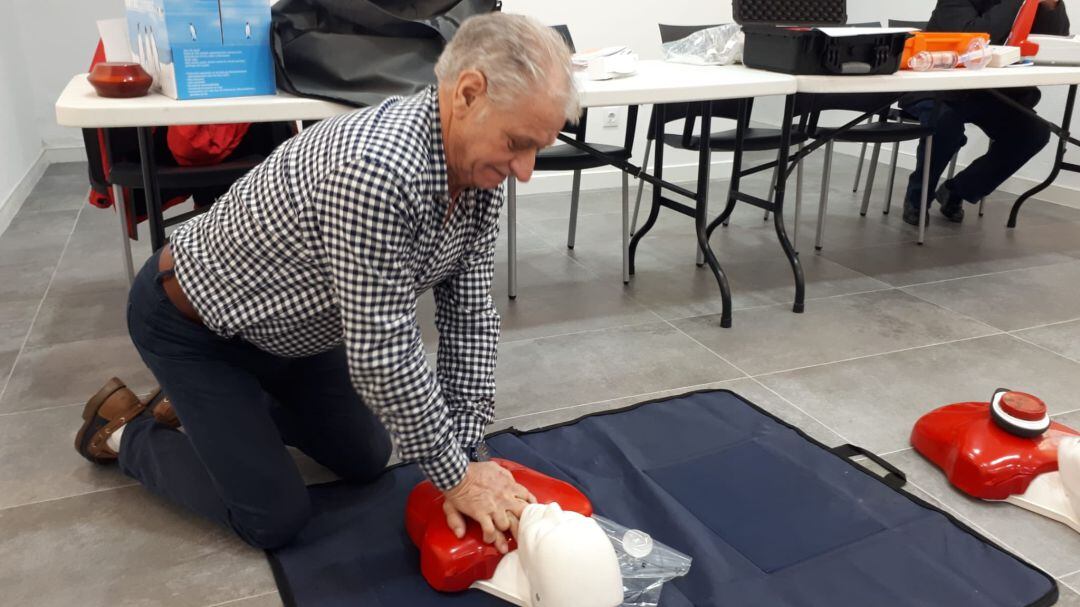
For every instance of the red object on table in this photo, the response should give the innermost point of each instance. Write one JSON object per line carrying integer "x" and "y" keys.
{"x": 122, "y": 79}
{"x": 981, "y": 458}
{"x": 450, "y": 564}
{"x": 1021, "y": 29}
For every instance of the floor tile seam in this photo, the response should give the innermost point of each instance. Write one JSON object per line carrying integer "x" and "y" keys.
{"x": 745, "y": 375}
{"x": 878, "y": 354}
{"x": 244, "y": 598}
{"x": 71, "y": 496}
{"x": 581, "y": 332}
{"x": 787, "y": 304}
{"x": 1042, "y": 347}
{"x": 774, "y": 392}
{"x": 1045, "y": 325}
{"x": 956, "y": 312}
{"x": 643, "y": 396}
{"x": 48, "y": 408}
{"x": 41, "y": 304}
{"x": 985, "y": 274}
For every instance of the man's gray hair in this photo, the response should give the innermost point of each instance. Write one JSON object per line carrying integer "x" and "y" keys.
{"x": 517, "y": 54}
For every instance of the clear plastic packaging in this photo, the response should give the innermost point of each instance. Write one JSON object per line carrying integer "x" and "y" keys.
{"x": 645, "y": 563}
{"x": 977, "y": 56}
{"x": 719, "y": 45}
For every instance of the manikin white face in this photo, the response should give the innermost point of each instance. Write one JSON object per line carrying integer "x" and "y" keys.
{"x": 563, "y": 559}
{"x": 567, "y": 559}
{"x": 1069, "y": 467}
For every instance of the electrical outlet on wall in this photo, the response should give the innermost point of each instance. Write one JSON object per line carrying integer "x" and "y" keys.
{"x": 612, "y": 117}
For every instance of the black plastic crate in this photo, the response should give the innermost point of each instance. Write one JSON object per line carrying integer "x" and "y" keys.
{"x": 805, "y": 51}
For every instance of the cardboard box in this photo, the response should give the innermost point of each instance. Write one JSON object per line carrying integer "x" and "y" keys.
{"x": 201, "y": 49}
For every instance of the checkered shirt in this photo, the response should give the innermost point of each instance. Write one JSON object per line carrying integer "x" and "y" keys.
{"x": 331, "y": 239}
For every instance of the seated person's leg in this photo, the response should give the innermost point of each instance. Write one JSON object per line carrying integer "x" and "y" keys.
{"x": 320, "y": 413}
{"x": 1016, "y": 139}
{"x": 230, "y": 464}
{"x": 948, "y": 139}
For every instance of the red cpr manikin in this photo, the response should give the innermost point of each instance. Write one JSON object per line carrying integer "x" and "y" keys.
{"x": 1007, "y": 449}
{"x": 450, "y": 564}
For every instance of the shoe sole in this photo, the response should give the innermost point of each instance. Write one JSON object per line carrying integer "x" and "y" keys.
{"x": 90, "y": 412}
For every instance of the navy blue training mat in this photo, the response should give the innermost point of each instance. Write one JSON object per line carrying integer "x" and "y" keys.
{"x": 770, "y": 517}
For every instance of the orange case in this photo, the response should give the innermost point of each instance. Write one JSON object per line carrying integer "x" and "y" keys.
{"x": 938, "y": 41}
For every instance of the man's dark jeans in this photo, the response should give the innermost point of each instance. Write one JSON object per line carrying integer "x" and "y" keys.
{"x": 240, "y": 407}
{"x": 1015, "y": 139}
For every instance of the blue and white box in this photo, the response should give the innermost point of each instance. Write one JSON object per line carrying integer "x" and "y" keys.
{"x": 201, "y": 49}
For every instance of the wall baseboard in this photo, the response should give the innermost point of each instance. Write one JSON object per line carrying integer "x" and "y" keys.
{"x": 11, "y": 204}
{"x": 57, "y": 155}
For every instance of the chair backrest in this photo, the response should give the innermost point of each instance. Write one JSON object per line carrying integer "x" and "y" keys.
{"x": 578, "y": 130}
{"x": 920, "y": 25}
{"x": 790, "y": 12}
{"x": 564, "y": 31}
{"x": 671, "y": 33}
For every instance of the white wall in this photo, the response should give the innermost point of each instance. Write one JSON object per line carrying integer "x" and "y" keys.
{"x": 598, "y": 23}
{"x": 20, "y": 144}
{"x": 55, "y": 39}
{"x": 58, "y": 38}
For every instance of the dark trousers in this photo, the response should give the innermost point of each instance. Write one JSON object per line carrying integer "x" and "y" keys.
{"x": 1015, "y": 139}
{"x": 240, "y": 407}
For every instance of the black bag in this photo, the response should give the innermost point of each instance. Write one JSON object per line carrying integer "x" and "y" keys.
{"x": 360, "y": 52}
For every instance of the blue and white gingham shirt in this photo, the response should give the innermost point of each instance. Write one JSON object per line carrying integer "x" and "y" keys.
{"x": 331, "y": 239}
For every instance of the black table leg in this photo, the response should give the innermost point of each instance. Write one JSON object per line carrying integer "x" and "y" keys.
{"x": 1063, "y": 140}
{"x": 778, "y": 202}
{"x": 701, "y": 216}
{"x": 150, "y": 187}
{"x": 736, "y": 167}
{"x": 658, "y": 172}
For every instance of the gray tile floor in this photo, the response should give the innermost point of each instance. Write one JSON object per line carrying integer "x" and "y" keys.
{"x": 891, "y": 330}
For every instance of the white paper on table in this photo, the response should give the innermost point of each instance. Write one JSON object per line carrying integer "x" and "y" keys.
{"x": 114, "y": 35}
{"x": 840, "y": 32}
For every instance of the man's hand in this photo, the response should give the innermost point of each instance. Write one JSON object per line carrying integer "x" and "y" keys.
{"x": 489, "y": 495}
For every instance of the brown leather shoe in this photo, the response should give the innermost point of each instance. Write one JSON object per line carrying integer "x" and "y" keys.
{"x": 113, "y": 406}
{"x": 162, "y": 410}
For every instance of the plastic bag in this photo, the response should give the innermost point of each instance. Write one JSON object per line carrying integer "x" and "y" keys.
{"x": 645, "y": 563}
{"x": 721, "y": 45}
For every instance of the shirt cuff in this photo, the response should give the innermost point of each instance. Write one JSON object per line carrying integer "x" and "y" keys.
{"x": 447, "y": 467}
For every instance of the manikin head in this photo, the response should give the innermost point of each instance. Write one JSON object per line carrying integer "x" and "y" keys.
{"x": 563, "y": 559}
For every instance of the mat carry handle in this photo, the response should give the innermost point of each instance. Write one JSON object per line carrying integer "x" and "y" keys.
{"x": 895, "y": 478}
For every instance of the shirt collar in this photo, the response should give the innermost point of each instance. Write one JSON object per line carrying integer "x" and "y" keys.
{"x": 438, "y": 150}
{"x": 441, "y": 192}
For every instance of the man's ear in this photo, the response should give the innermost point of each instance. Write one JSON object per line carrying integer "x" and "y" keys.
{"x": 470, "y": 93}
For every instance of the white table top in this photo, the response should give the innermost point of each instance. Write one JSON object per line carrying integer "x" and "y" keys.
{"x": 906, "y": 81}
{"x": 655, "y": 82}
{"x": 79, "y": 106}
{"x": 663, "y": 82}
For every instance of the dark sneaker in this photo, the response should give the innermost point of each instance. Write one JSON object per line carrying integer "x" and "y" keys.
{"x": 952, "y": 206}
{"x": 106, "y": 412}
{"x": 911, "y": 215}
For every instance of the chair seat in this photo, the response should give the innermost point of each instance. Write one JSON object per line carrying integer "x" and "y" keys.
{"x": 565, "y": 157}
{"x": 756, "y": 140}
{"x": 877, "y": 132}
{"x": 129, "y": 174}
